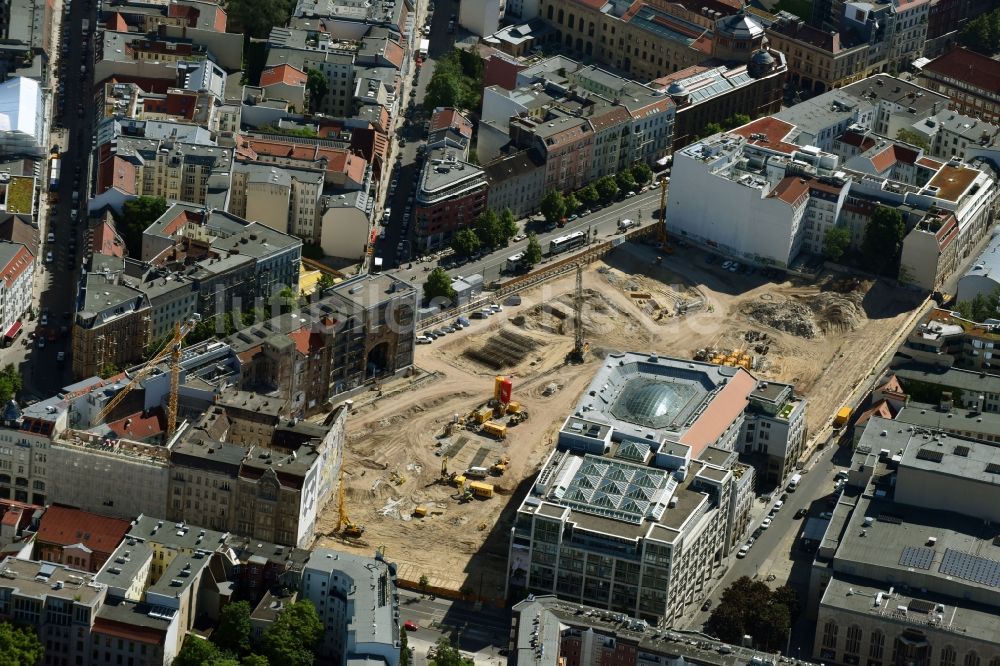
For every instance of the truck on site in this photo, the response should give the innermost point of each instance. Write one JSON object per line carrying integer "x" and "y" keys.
{"x": 423, "y": 47}
{"x": 476, "y": 472}
{"x": 626, "y": 224}
{"x": 481, "y": 490}
{"x": 843, "y": 416}
{"x": 515, "y": 263}
{"x": 793, "y": 482}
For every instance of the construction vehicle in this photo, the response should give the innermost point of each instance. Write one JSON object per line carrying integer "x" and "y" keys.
{"x": 463, "y": 496}
{"x": 481, "y": 490}
{"x": 345, "y": 525}
{"x": 420, "y": 511}
{"x": 457, "y": 480}
{"x": 397, "y": 478}
{"x": 517, "y": 417}
{"x": 498, "y": 430}
{"x": 843, "y": 416}
{"x": 500, "y": 466}
{"x": 444, "y": 467}
{"x": 172, "y": 349}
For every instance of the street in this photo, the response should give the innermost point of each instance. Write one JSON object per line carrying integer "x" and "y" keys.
{"x": 56, "y": 280}
{"x": 479, "y": 632}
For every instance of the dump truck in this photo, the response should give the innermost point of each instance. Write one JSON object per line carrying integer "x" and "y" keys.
{"x": 498, "y": 430}
{"x": 481, "y": 490}
{"x": 843, "y": 416}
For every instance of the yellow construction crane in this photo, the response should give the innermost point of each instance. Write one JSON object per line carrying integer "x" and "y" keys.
{"x": 171, "y": 348}
{"x": 345, "y": 526}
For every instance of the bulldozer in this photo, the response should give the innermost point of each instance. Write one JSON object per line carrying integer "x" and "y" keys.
{"x": 500, "y": 466}
{"x": 517, "y": 417}
{"x": 463, "y": 497}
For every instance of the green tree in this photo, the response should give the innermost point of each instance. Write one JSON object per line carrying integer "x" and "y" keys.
{"x": 257, "y": 17}
{"x": 197, "y": 651}
{"x": 553, "y": 207}
{"x": 883, "y": 241}
{"x": 572, "y": 203}
{"x": 423, "y": 582}
{"x": 326, "y": 281}
{"x": 404, "y": 648}
{"x": 711, "y": 128}
{"x": 488, "y": 229}
{"x": 588, "y": 195}
{"x": 737, "y": 120}
{"x": 835, "y": 242}
{"x": 254, "y": 660}
{"x": 981, "y": 307}
{"x": 914, "y": 138}
{"x": 641, "y": 173}
{"x": 447, "y": 655}
{"x": 438, "y": 285}
{"x": 508, "y": 225}
{"x": 607, "y": 188}
{"x": 10, "y": 383}
{"x": 19, "y": 646}
{"x": 137, "y": 214}
{"x": 982, "y": 33}
{"x": 290, "y": 639}
{"x": 533, "y": 252}
{"x": 625, "y": 181}
{"x": 444, "y": 89}
{"x": 233, "y": 632}
{"x": 465, "y": 242}
{"x": 318, "y": 87}
{"x": 749, "y": 607}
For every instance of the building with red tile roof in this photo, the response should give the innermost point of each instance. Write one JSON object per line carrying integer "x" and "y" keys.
{"x": 286, "y": 74}
{"x": 76, "y": 538}
{"x": 970, "y": 80}
{"x": 17, "y": 271}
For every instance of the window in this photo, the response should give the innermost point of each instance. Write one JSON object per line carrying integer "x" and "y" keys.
{"x": 948, "y": 656}
{"x": 972, "y": 658}
{"x": 853, "y": 645}
{"x": 830, "y": 635}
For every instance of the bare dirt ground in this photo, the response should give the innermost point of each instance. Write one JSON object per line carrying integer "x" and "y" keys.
{"x": 821, "y": 338}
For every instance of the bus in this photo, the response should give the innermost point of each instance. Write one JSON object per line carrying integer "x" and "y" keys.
{"x": 567, "y": 242}
{"x": 54, "y": 165}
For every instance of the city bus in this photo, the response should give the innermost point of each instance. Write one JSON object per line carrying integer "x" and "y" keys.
{"x": 567, "y": 242}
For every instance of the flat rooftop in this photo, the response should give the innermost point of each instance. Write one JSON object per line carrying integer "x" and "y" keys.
{"x": 960, "y": 616}
{"x": 952, "y": 182}
{"x": 39, "y": 580}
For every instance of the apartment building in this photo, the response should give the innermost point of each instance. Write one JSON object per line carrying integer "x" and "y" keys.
{"x": 970, "y": 81}
{"x": 357, "y": 604}
{"x": 774, "y": 431}
{"x": 285, "y": 82}
{"x": 642, "y": 496}
{"x": 17, "y": 269}
{"x": 280, "y": 197}
{"x": 813, "y": 165}
{"x": 567, "y": 142}
{"x": 78, "y": 539}
{"x": 451, "y": 191}
{"x": 899, "y": 570}
{"x": 516, "y": 182}
{"x": 22, "y": 118}
{"x": 305, "y": 49}
{"x": 820, "y": 60}
{"x": 112, "y": 325}
{"x": 168, "y": 168}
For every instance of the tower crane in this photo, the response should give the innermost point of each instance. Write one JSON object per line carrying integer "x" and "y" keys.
{"x": 171, "y": 349}
{"x": 579, "y": 347}
{"x": 345, "y": 526}
{"x": 661, "y": 230}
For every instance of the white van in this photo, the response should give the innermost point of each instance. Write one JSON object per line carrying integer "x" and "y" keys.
{"x": 626, "y": 224}
{"x": 793, "y": 482}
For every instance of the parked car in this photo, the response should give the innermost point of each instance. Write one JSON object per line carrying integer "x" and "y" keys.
{"x": 801, "y": 513}
{"x": 410, "y": 626}
{"x": 742, "y": 552}
{"x": 708, "y": 604}
{"x": 765, "y": 523}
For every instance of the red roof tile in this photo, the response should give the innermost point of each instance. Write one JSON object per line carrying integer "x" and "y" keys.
{"x": 19, "y": 263}
{"x": 139, "y": 427}
{"x": 65, "y": 526}
{"x": 731, "y": 400}
{"x": 790, "y": 189}
{"x": 929, "y": 163}
{"x": 131, "y": 632}
{"x": 978, "y": 71}
{"x": 769, "y": 133}
{"x": 283, "y": 74}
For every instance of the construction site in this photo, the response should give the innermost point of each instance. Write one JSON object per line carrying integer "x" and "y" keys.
{"x": 432, "y": 465}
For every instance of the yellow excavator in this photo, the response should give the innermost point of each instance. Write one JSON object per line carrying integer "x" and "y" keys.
{"x": 345, "y": 525}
